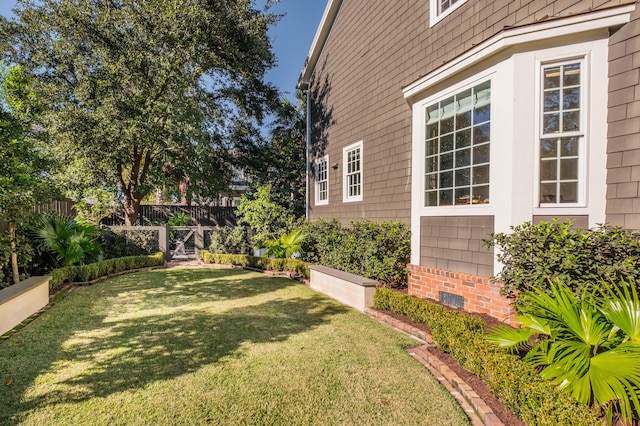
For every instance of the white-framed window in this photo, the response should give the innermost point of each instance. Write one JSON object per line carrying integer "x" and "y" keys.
{"x": 562, "y": 151}
{"x": 438, "y": 9}
{"x": 322, "y": 180}
{"x": 352, "y": 172}
{"x": 457, "y": 148}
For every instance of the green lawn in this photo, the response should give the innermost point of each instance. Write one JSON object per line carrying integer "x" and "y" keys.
{"x": 208, "y": 346}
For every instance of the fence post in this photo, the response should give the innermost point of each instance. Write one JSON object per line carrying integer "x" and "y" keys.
{"x": 199, "y": 240}
{"x": 163, "y": 241}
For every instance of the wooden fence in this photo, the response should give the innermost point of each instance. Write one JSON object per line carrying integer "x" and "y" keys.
{"x": 65, "y": 207}
{"x": 159, "y": 214}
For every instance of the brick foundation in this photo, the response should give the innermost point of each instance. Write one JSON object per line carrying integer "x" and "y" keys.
{"x": 481, "y": 295}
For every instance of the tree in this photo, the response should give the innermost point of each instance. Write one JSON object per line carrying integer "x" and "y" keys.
{"x": 268, "y": 219}
{"x": 131, "y": 87}
{"x": 281, "y": 162}
{"x": 21, "y": 171}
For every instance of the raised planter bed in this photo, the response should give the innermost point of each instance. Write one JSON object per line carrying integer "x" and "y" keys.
{"x": 19, "y": 301}
{"x": 350, "y": 289}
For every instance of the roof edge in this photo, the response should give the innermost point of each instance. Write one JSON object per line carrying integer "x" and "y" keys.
{"x": 322, "y": 33}
{"x": 592, "y": 20}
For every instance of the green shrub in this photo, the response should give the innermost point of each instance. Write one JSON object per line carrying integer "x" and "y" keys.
{"x": 379, "y": 251}
{"x": 533, "y": 399}
{"x": 536, "y": 255}
{"x": 589, "y": 348}
{"x": 229, "y": 239}
{"x": 120, "y": 243}
{"x": 265, "y": 215}
{"x": 292, "y": 265}
{"x": 85, "y": 273}
{"x": 68, "y": 241}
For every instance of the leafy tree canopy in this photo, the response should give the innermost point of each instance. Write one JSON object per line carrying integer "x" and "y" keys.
{"x": 131, "y": 89}
{"x": 281, "y": 162}
{"x": 22, "y": 166}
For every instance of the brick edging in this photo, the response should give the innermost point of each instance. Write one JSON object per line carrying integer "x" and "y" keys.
{"x": 458, "y": 388}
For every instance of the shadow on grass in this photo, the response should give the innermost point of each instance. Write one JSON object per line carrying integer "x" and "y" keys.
{"x": 132, "y": 352}
{"x": 177, "y": 285}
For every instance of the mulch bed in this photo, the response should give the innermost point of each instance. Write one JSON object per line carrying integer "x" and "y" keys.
{"x": 504, "y": 414}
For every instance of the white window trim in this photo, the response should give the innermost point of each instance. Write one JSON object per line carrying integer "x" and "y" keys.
{"x": 583, "y": 133}
{"x": 318, "y": 201}
{"x": 515, "y": 141}
{"x": 434, "y": 17}
{"x": 345, "y": 189}
{"x": 419, "y": 150}
{"x": 593, "y": 171}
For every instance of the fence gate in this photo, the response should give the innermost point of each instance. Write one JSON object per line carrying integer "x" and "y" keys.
{"x": 176, "y": 242}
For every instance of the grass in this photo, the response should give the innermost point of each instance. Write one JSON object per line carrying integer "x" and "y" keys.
{"x": 206, "y": 346}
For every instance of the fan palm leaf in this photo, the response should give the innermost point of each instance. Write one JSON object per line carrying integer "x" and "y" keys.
{"x": 590, "y": 349}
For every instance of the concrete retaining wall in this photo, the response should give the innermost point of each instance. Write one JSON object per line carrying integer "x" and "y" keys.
{"x": 22, "y": 300}
{"x": 350, "y": 289}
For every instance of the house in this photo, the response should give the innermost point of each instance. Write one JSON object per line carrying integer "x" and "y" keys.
{"x": 464, "y": 117}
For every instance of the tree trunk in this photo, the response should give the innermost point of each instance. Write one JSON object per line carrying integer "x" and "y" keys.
{"x": 14, "y": 254}
{"x": 131, "y": 209}
{"x": 185, "y": 197}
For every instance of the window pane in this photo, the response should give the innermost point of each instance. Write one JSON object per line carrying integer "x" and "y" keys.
{"x": 571, "y": 98}
{"x": 446, "y": 143}
{"x": 569, "y": 192}
{"x": 432, "y": 181}
{"x": 432, "y": 130}
{"x": 446, "y": 180}
{"x": 461, "y": 124}
{"x": 432, "y": 164}
{"x": 446, "y": 161}
{"x": 482, "y": 114}
{"x": 481, "y": 134}
{"x": 559, "y": 158}
{"x": 432, "y": 147}
{"x": 571, "y": 121}
{"x": 446, "y": 197}
{"x": 551, "y": 123}
{"x": 548, "y": 148}
{"x": 463, "y": 158}
{"x": 551, "y": 101}
{"x": 551, "y": 77}
{"x": 549, "y": 170}
{"x": 463, "y": 138}
{"x": 547, "y": 192}
{"x": 481, "y": 154}
{"x": 569, "y": 169}
{"x": 481, "y": 175}
{"x": 463, "y": 177}
{"x": 463, "y": 120}
{"x": 463, "y": 195}
{"x": 481, "y": 194}
{"x": 431, "y": 199}
{"x": 569, "y": 147}
{"x": 571, "y": 74}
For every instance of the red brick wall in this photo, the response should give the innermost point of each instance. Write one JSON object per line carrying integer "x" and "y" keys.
{"x": 481, "y": 295}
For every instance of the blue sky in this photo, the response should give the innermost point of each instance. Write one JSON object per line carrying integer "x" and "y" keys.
{"x": 292, "y": 37}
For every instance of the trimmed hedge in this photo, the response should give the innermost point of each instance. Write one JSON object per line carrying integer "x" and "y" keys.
{"x": 92, "y": 271}
{"x": 379, "y": 251}
{"x": 533, "y": 399}
{"x": 268, "y": 264}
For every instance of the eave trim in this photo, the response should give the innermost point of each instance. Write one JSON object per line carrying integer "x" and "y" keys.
{"x": 518, "y": 35}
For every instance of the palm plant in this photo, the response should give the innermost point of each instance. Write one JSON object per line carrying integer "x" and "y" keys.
{"x": 591, "y": 347}
{"x": 68, "y": 241}
{"x": 285, "y": 246}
